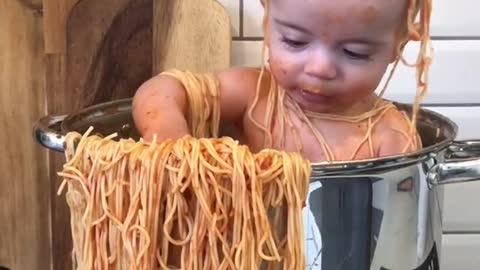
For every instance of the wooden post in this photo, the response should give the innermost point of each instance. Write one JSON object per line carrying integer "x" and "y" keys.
{"x": 198, "y": 36}
{"x": 24, "y": 184}
{"x": 97, "y": 51}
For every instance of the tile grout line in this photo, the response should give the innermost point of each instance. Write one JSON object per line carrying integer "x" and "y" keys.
{"x": 439, "y": 38}
{"x": 453, "y": 38}
{"x": 240, "y": 26}
{"x": 448, "y": 232}
{"x": 247, "y": 38}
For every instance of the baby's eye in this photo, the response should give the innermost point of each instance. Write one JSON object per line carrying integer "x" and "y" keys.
{"x": 293, "y": 43}
{"x": 355, "y": 55}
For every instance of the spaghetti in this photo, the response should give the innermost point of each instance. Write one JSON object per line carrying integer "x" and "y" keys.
{"x": 184, "y": 204}
{"x": 203, "y": 99}
{"x": 193, "y": 203}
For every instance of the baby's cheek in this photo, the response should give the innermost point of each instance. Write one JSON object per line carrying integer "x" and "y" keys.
{"x": 360, "y": 88}
{"x": 367, "y": 79}
{"x": 277, "y": 65}
{"x": 280, "y": 69}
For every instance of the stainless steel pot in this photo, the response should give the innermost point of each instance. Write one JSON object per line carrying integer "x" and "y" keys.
{"x": 375, "y": 214}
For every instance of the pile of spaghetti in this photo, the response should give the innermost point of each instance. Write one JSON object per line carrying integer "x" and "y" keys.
{"x": 183, "y": 204}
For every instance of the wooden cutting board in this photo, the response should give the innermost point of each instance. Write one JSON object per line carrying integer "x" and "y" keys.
{"x": 24, "y": 191}
{"x": 103, "y": 50}
{"x": 113, "y": 46}
{"x": 198, "y": 39}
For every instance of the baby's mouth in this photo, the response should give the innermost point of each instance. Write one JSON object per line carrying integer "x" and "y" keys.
{"x": 313, "y": 97}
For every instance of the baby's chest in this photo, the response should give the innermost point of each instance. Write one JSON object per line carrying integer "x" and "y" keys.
{"x": 320, "y": 141}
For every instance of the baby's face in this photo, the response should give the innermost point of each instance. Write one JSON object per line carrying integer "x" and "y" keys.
{"x": 331, "y": 54}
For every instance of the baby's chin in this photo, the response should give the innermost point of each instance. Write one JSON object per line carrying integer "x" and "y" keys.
{"x": 318, "y": 108}
{"x": 317, "y": 104}
{"x": 336, "y": 108}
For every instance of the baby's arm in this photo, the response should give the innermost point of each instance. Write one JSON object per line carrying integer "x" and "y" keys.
{"x": 160, "y": 105}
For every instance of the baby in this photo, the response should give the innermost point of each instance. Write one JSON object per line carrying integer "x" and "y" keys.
{"x": 325, "y": 61}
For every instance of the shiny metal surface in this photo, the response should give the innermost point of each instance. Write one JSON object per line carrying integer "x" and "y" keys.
{"x": 437, "y": 131}
{"x": 455, "y": 171}
{"x": 464, "y": 149}
{"x": 383, "y": 220}
{"x": 106, "y": 118}
{"x": 377, "y": 214}
{"x": 47, "y": 132}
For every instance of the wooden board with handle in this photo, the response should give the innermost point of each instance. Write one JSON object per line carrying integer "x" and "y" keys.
{"x": 24, "y": 189}
{"x": 199, "y": 37}
{"x": 111, "y": 47}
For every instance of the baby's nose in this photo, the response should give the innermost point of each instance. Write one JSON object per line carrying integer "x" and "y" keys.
{"x": 321, "y": 65}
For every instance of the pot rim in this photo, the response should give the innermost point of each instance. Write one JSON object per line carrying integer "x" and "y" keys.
{"x": 392, "y": 161}
{"x": 401, "y": 160}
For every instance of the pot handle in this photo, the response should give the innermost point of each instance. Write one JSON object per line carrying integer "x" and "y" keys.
{"x": 462, "y": 164}
{"x": 46, "y": 132}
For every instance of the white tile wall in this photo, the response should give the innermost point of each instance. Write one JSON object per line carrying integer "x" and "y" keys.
{"x": 247, "y": 53}
{"x": 453, "y": 75}
{"x": 253, "y": 15}
{"x": 455, "y": 18}
{"x": 455, "y": 80}
{"x": 459, "y": 252}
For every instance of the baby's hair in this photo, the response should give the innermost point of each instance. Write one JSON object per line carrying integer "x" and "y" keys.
{"x": 417, "y": 29}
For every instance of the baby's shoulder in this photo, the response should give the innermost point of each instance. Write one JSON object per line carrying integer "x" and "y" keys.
{"x": 245, "y": 80}
{"x": 244, "y": 76}
{"x": 395, "y": 119}
{"x": 240, "y": 72}
{"x": 394, "y": 130}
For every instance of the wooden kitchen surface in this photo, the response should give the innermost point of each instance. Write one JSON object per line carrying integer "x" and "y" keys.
{"x": 24, "y": 183}
{"x": 65, "y": 55}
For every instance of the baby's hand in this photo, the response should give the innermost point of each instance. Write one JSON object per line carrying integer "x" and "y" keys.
{"x": 159, "y": 108}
